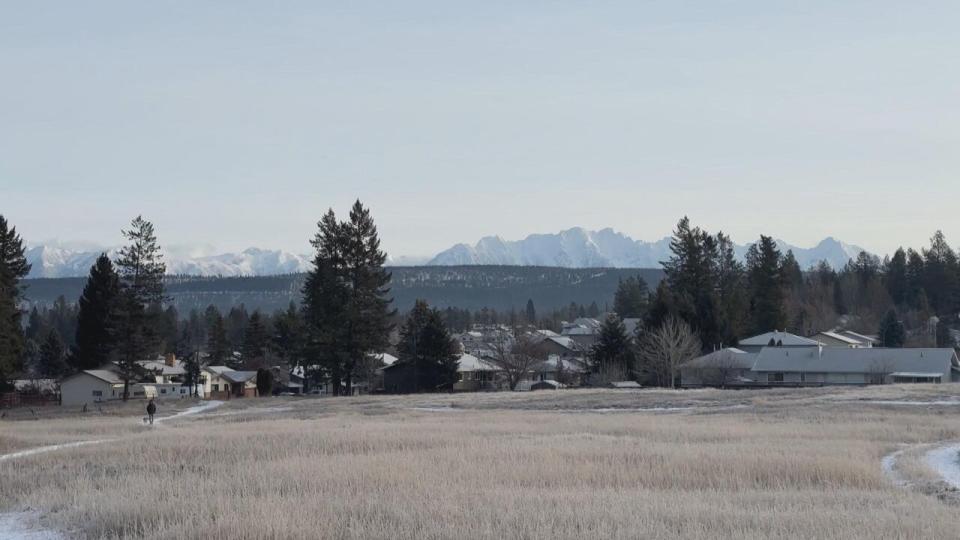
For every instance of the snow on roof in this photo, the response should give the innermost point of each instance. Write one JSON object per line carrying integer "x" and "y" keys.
{"x": 162, "y": 367}
{"x": 785, "y": 338}
{"x": 386, "y": 358}
{"x": 103, "y": 375}
{"x": 840, "y": 338}
{"x": 468, "y": 362}
{"x": 218, "y": 370}
{"x": 730, "y": 358}
{"x": 860, "y": 337}
{"x": 564, "y": 341}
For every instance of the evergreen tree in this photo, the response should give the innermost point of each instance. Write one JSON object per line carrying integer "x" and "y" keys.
{"x": 691, "y": 276}
{"x": 593, "y": 310}
{"x": 613, "y": 350}
{"x": 255, "y": 342}
{"x": 892, "y": 332}
{"x": 766, "y": 286}
{"x": 895, "y": 278}
{"x": 941, "y": 275}
{"x": 915, "y": 295}
{"x": 53, "y": 363}
{"x": 368, "y": 312}
{"x": 731, "y": 292}
{"x": 95, "y": 336}
{"x": 325, "y": 302}
{"x": 140, "y": 268}
{"x": 426, "y": 345}
{"x": 218, "y": 347}
{"x": 287, "y": 337}
{"x": 264, "y": 382}
{"x": 632, "y": 298}
{"x": 531, "y": 312}
{"x": 13, "y": 268}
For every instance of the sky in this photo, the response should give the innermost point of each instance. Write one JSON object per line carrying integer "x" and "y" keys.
{"x": 238, "y": 124}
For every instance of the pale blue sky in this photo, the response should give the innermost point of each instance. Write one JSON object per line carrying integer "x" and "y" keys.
{"x": 236, "y": 124}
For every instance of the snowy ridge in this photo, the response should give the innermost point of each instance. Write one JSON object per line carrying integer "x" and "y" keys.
{"x": 580, "y": 248}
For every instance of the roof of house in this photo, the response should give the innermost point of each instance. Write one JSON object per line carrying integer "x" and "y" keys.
{"x": 785, "y": 339}
{"x": 468, "y": 362}
{"x": 162, "y": 367}
{"x": 218, "y": 370}
{"x": 863, "y": 360}
{"x": 565, "y": 342}
{"x": 860, "y": 337}
{"x": 238, "y": 376}
{"x": 841, "y": 338}
{"x": 102, "y": 374}
{"x": 551, "y": 364}
{"x": 724, "y": 358}
{"x": 386, "y": 358}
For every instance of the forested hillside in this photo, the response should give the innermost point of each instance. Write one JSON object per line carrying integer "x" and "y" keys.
{"x": 470, "y": 287}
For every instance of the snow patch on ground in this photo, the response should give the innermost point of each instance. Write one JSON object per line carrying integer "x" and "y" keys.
{"x": 192, "y": 410}
{"x": 25, "y": 526}
{"x": 889, "y": 466}
{"x": 437, "y": 409}
{"x": 51, "y": 448}
{"x": 945, "y": 460}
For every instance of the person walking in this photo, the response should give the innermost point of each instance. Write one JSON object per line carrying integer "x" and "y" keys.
{"x": 151, "y": 410}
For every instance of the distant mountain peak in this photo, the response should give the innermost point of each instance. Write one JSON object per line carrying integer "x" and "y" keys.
{"x": 578, "y": 247}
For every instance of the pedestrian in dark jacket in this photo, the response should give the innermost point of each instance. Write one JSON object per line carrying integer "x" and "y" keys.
{"x": 151, "y": 410}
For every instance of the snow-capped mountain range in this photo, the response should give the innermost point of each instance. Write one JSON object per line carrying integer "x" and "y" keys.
{"x": 580, "y": 248}
{"x": 572, "y": 248}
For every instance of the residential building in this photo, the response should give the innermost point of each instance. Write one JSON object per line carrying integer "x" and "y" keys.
{"x": 90, "y": 386}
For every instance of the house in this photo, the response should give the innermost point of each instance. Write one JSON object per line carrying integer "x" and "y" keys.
{"x": 222, "y": 382}
{"x": 775, "y": 339}
{"x": 476, "y": 374}
{"x": 562, "y": 346}
{"x": 91, "y": 386}
{"x": 625, "y": 385}
{"x": 859, "y": 366}
{"x": 726, "y": 367}
{"x": 583, "y": 331}
{"x": 165, "y": 370}
{"x": 568, "y": 371}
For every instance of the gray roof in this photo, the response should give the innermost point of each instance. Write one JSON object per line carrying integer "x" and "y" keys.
{"x": 238, "y": 376}
{"x": 724, "y": 358}
{"x": 786, "y": 338}
{"x": 103, "y": 375}
{"x": 846, "y": 360}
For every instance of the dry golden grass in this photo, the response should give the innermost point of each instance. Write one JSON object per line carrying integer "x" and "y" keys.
{"x": 782, "y": 464}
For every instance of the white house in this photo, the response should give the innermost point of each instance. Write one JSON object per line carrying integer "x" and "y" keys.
{"x": 91, "y": 386}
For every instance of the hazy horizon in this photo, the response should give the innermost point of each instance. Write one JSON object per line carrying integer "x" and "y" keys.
{"x": 236, "y": 125}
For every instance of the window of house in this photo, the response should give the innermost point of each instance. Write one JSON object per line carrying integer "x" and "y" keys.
{"x": 774, "y": 377}
{"x": 97, "y": 393}
{"x": 216, "y": 388}
{"x": 163, "y": 390}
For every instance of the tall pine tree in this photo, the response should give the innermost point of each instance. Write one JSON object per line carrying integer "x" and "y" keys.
{"x": 96, "y": 336}
{"x": 766, "y": 286}
{"x": 13, "y": 268}
{"x": 141, "y": 269}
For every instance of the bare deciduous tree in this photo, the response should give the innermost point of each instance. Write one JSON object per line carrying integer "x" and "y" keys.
{"x": 665, "y": 348}
{"x": 516, "y": 354}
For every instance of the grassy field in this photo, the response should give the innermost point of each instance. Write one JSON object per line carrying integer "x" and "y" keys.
{"x": 572, "y": 464}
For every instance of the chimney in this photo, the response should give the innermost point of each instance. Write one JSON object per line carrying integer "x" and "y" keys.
{"x": 170, "y": 360}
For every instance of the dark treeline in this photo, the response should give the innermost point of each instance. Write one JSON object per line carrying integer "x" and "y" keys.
{"x": 499, "y": 288}
{"x": 725, "y": 300}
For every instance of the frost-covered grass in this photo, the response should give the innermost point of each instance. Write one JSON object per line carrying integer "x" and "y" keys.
{"x": 775, "y": 464}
